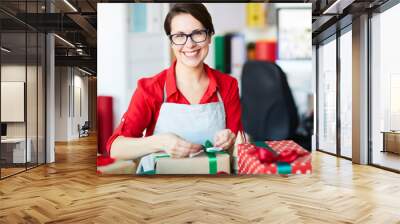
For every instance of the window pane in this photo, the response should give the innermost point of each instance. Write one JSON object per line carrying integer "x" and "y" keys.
{"x": 41, "y": 98}
{"x": 385, "y": 89}
{"x": 346, "y": 94}
{"x": 327, "y": 97}
{"x": 13, "y": 86}
{"x": 31, "y": 97}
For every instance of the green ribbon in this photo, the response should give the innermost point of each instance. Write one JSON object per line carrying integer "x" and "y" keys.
{"x": 212, "y": 159}
{"x": 152, "y": 172}
{"x": 208, "y": 144}
{"x": 212, "y": 162}
{"x": 283, "y": 167}
{"x": 157, "y": 157}
{"x": 265, "y": 146}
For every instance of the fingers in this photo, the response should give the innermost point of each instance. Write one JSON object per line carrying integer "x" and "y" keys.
{"x": 184, "y": 148}
{"x": 179, "y": 152}
{"x": 195, "y": 148}
{"x": 190, "y": 147}
{"x": 221, "y": 137}
{"x": 224, "y": 139}
{"x": 227, "y": 144}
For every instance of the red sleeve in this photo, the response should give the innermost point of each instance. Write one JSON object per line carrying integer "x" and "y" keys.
{"x": 136, "y": 119}
{"x": 233, "y": 109}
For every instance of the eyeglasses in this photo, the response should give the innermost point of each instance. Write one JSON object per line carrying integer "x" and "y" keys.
{"x": 197, "y": 36}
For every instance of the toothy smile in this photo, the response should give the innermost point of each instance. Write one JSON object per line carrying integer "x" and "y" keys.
{"x": 190, "y": 53}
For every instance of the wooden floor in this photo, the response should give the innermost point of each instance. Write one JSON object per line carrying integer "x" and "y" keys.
{"x": 10, "y": 171}
{"x": 388, "y": 159}
{"x": 70, "y": 191}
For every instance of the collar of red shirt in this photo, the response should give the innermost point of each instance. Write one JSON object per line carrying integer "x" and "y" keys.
{"x": 171, "y": 81}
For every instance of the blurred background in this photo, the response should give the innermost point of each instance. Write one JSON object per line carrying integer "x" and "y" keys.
{"x": 266, "y": 47}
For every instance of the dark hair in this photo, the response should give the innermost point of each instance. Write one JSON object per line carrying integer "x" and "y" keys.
{"x": 197, "y": 10}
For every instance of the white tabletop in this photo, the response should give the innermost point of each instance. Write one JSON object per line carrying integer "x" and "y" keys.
{"x": 13, "y": 140}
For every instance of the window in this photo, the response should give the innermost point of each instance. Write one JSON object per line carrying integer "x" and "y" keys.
{"x": 346, "y": 94}
{"x": 327, "y": 96}
{"x": 22, "y": 76}
{"x": 385, "y": 89}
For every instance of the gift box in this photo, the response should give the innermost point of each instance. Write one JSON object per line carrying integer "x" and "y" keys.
{"x": 204, "y": 163}
{"x": 107, "y": 165}
{"x": 273, "y": 157}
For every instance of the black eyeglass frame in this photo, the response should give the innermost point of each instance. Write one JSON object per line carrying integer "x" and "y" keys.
{"x": 189, "y": 35}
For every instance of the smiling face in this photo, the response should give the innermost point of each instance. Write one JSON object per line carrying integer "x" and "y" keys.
{"x": 190, "y": 54}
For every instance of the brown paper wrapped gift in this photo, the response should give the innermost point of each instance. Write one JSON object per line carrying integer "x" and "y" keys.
{"x": 200, "y": 164}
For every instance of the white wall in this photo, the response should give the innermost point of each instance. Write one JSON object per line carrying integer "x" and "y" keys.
{"x": 112, "y": 55}
{"x": 12, "y": 73}
{"x": 80, "y": 83}
{"x": 61, "y": 103}
{"x": 227, "y": 17}
{"x": 299, "y": 76}
{"x": 124, "y": 58}
{"x": 33, "y": 126}
{"x": 68, "y": 81}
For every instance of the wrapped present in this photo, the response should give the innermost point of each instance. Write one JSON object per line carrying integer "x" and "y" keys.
{"x": 241, "y": 138}
{"x": 204, "y": 163}
{"x": 273, "y": 157}
{"x": 211, "y": 160}
{"x": 107, "y": 165}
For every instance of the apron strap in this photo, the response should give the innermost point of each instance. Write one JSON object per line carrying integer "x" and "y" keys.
{"x": 219, "y": 97}
{"x": 165, "y": 95}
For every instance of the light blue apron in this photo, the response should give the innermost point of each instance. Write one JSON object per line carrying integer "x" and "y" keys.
{"x": 195, "y": 123}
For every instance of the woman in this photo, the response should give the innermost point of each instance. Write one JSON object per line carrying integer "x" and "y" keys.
{"x": 184, "y": 105}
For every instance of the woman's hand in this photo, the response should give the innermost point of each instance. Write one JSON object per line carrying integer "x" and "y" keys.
{"x": 224, "y": 139}
{"x": 177, "y": 147}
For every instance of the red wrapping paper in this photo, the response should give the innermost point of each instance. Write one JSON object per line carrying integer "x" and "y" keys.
{"x": 249, "y": 162}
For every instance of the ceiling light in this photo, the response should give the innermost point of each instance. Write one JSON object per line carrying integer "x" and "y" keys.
{"x": 5, "y": 50}
{"x": 337, "y": 7}
{"x": 84, "y": 71}
{"x": 65, "y": 41}
{"x": 70, "y": 5}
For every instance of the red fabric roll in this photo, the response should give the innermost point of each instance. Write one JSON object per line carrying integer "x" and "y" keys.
{"x": 266, "y": 51}
{"x": 105, "y": 122}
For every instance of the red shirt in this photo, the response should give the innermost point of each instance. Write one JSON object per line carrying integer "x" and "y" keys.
{"x": 145, "y": 104}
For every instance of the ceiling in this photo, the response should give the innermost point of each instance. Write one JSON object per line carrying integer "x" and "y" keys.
{"x": 76, "y": 22}
{"x": 331, "y": 15}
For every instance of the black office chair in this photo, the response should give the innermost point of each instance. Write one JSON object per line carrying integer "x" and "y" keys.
{"x": 268, "y": 108}
{"x": 84, "y": 130}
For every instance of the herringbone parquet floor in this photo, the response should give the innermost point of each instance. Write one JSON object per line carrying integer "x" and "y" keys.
{"x": 70, "y": 191}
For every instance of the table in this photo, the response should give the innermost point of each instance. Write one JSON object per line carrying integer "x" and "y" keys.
{"x": 391, "y": 141}
{"x": 16, "y": 147}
